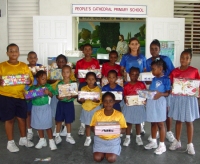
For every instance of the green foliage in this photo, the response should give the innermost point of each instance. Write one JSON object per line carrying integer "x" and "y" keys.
{"x": 85, "y": 34}
{"x": 95, "y": 33}
{"x": 102, "y": 51}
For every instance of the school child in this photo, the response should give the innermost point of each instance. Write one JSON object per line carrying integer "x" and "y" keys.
{"x": 112, "y": 86}
{"x": 111, "y": 65}
{"x": 12, "y": 102}
{"x": 133, "y": 114}
{"x": 155, "y": 50}
{"x": 86, "y": 63}
{"x": 184, "y": 108}
{"x": 133, "y": 58}
{"x": 107, "y": 146}
{"x": 89, "y": 106}
{"x": 156, "y": 108}
{"x": 61, "y": 60}
{"x": 41, "y": 116}
{"x": 32, "y": 59}
{"x": 65, "y": 108}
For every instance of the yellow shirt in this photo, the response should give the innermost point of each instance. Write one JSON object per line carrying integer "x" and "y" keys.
{"x": 16, "y": 91}
{"x": 99, "y": 116}
{"x": 89, "y": 105}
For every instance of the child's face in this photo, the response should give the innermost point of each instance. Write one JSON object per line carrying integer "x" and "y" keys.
{"x": 134, "y": 75}
{"x": 112, "y": 78}
{"x": 90, "y": 80}
{"x": 61, "y": 62}
{"x": 156, "y": 70}
{"x": 185, "y": 59}
{"x": 66, "y": 73}
{"x": 87, "y": 51}
{"x": 154, "y": 50}
{"x": 108, "y": 103}
{"x": 32, "y": 59}
{"x": 42, "y": 80}
{"x": 134, "y": 45}
{"x": 113, "y": 58}
{"x": 13, "y": 52}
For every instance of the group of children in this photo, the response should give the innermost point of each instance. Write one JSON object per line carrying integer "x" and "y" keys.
{"x": 156, "y": 111}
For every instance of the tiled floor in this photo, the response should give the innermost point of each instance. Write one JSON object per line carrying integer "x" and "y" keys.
{"x": 78, "y": 154}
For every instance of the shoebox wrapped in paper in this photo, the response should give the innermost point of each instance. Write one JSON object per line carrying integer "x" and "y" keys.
{"x": 147, "y": 94}
{"x": 88, "y": 95}
{"x": 68, "y": 89}
{"x": 104, "y": 81}
{"x": 55, "y": 74}
{"x": 118, "y": 94}
{"x": 15, "y": 79}
{"x": 135, "y": 100}
{"x": 35, "y": 69}
{"x": 38, "y": 92}
{"x": 82, "y": 72}
{"x": 107, "y": 128}
{"x": 144, "y": 76}
{"x": 185, "y": 87}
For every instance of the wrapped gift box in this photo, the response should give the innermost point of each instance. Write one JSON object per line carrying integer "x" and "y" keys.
{"x": 135, "y": 100}
{"x": 118, "y": 95}
{"x": 37, "y": 68}
{"x": 88, "y": 95}
{"x": 38, "y": 92}
{"x": 104, "y": 81}
{"x": 15, "y": 79}
{"x": 55, "y": 74}
{"x": 68, "y": 89}
{"x": 107, "y": 128}
{"x": 144, "y": 76}
{"x": 147, "y": 94}
{"x": 186, "y": 87}
{"x": 82, "y": 72}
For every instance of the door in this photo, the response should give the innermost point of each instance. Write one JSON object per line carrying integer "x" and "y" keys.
{"x": 52, "y": 35}
{"x": 166, "y": 29}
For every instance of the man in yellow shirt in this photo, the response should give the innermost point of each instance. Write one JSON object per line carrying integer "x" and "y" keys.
{"x": 12, "y": 102}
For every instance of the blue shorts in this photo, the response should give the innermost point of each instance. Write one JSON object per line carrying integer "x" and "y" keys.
{"x": 65, "y": 112}
{"x": 11, "y": 107}
{"x": 29, "y": 106}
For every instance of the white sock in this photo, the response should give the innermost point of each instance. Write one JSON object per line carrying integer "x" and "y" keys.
{"x": 41, "y": 139}
{"x": 154, "y": 140}
{"x": 168, "y": 131}
{"x": 127, "y": 136}
{"x": 162, "y": 144}
{"x": 68, "y": 134}
{"x": 30, "y": 130}
{"x": 83, "y": 125}
{"x": 88, "y": 137}
{"x": 190, "y": 144}
{"x": 138, "y": 136}
{"x": 57, "y": 134}
{"x": 23, "y": 138}
{"x": 51, "y": 140}
{"x": 11, "y": 141}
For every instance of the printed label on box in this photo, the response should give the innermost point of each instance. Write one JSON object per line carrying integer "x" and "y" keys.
{"x": 135, "y": 100}
{"x": 38, "y": 92}
{"x": 107, "y": 128}
{"x": 68, "y": 89}
{"x": 82, "y": 72}
{"x": 118, "y": 94}
{"x": 104, "y": 81}
{"x": 88, "y": 95}
{"x": 15, "y": 79}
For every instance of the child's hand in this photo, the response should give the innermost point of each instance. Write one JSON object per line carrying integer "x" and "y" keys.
{"x": 29, "y": 80}
{"x": 68, "y": 97}
{"x": 96, "y": 101}
{"x": 125, "y": 100}
{"x": 1, "y": 81}
{"x": 157, "y": 95}
{"x": 82, "y": 100}
{"x": 46, "y": 91}
{"x": 60, "y": 98}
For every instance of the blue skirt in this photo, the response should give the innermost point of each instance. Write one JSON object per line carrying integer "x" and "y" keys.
{"x": 184, "y": 108}
{"x": 86, "y": 116}
{"x": 107, "y": 146}
{"x": 53, "y": 104}
{"x": 134, "y": 114}
{"x": 156, "y": 110}
{"x": 41, "y": 117}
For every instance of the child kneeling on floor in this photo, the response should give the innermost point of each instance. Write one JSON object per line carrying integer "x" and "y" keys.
{"x": 107, "y": 146}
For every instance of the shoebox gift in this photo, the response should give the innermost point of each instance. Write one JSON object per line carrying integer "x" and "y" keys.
{"x": 82, "y": 72}
{"x": 35, "y": 69}
{"x": 146, "y": 76}
{"x": 104, "y": 81}
{"x": 15, "y": 79}
{"x": 147, "y": 94}
{"x": 135, "y": 100}
{"x": 88, "y": 95}
{"x": 118, "y": 94}
{"x": 68, "y": 89}
{"x": 55, "y": 74}
{"x": 107, "y": 128}
{"x": 185, "y": 87}
{"x": 38, "y": 92}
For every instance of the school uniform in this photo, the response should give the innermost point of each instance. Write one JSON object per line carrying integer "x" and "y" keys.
{"x": 41, "y": 114}
{"x": 156, "y": 109}
{"x": 65, "y": 110}
{"x": 108, "y": 143}
{"x": 117, "y": 88}
{"x": 135, "y": 114}
{"x": 184, "y": 108}
{"x": 106, "y": 67}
